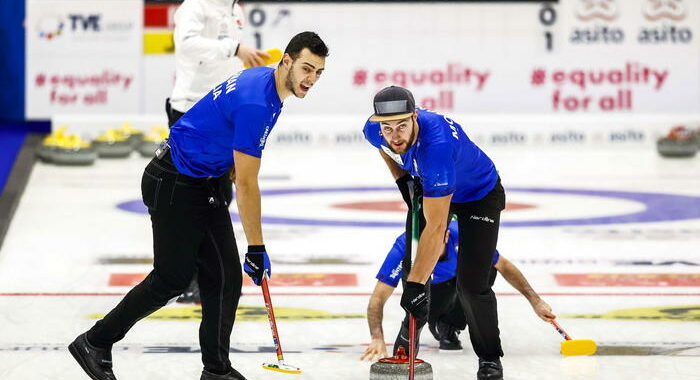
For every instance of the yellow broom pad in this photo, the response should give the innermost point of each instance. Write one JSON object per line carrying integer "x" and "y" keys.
{"x": 578, "y": 347}
{"x": 284, "y": 368}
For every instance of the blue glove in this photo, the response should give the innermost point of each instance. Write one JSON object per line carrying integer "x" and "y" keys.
{"x": 257, "y": 263}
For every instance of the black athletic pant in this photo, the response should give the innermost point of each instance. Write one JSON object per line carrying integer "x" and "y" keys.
{"x": 478, "y": 235}
{"x": 191, "y": 229}
{"x": 445, "y": 305}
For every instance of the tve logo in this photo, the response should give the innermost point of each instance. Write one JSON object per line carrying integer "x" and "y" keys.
{"x": 85, "y": 22}
{"x": 50, "y": 26}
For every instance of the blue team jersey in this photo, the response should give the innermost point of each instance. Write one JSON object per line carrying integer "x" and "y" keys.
{"x": 445, "y": 269}
{"x": 238, "y": 114}
{"x": 443, "y": 157}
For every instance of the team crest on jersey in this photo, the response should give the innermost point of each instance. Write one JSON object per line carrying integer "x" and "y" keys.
{"x": 394, "y": 156}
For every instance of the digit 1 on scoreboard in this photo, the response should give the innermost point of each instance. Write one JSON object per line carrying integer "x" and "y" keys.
{"x": 258, "y": 40}
{"x": 548, "y": 40}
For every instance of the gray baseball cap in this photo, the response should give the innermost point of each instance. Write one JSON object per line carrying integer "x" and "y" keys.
{"x": 393, "y": 103}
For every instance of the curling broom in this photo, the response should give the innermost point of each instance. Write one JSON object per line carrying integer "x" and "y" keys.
{"x": 574, "y": 347}
{"x": 280, "y": 366}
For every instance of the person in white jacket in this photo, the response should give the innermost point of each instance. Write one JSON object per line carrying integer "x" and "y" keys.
{"x": 208, "y": 49}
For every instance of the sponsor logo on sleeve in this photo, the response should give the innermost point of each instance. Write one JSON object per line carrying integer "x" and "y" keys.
{"x": 263, "y": 139}
{"x": 396, "y": 271}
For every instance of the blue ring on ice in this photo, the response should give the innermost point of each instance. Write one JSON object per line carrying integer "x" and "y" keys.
{"x": 659, "y": 207}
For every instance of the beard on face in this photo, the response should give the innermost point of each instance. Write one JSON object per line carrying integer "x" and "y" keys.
{"x": 409, "y": 142}
{"x": 291, "y": 80}
{"x": 289, "y": 83}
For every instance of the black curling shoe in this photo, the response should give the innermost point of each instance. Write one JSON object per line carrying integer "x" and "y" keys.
{"x": 490, "y": 370}
{"x": 96, "y": 362}
{"x": 448, "y": 337}
{"x": 233, "y": 375}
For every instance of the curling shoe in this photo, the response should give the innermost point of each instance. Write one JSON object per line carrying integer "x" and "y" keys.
{"x": 448, "y": 337}
{"x": 232, "y": 375}
{"x": 96, "y": 362}
{"x": 490, "y": 370}
{"x": 191, "y": 294}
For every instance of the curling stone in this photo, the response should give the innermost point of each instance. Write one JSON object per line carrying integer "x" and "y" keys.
{"x": 134, "y": 135}
{"x": 50, "y": 143}
{"x": 74, "y": 151}
{"x": 679, "y": 142}
{"x": 396, "y": 368}
{"x": 112, "y": 144}
{"x": 151, "y": 141}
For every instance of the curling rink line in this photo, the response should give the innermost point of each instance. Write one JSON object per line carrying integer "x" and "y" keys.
{"x": 330, "y": 348}
{"x": 67, "y": 227}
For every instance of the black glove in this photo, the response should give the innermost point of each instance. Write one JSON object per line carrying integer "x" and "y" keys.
{"x": 415, "y": 299}
{"x": 256, "y": 263}
{"x": 405, "y": 184}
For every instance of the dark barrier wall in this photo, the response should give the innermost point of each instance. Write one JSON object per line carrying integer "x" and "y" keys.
{"x": 12, "y": 60}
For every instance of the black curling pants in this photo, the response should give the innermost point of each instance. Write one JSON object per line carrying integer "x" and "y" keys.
{"x": 478, "y": 234}
{"x": 191, "y": 231}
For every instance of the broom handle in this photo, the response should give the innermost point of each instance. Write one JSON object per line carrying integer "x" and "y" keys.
{"x": 271, "y": 317}
{"x": 560, "y": 330}
{"x": 415, "y": 228}
{"x": 415, "y": 231}
{"x": 411, "y": 346}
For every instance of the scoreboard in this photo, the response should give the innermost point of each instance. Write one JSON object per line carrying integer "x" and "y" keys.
{"x": 566, "y": 57}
